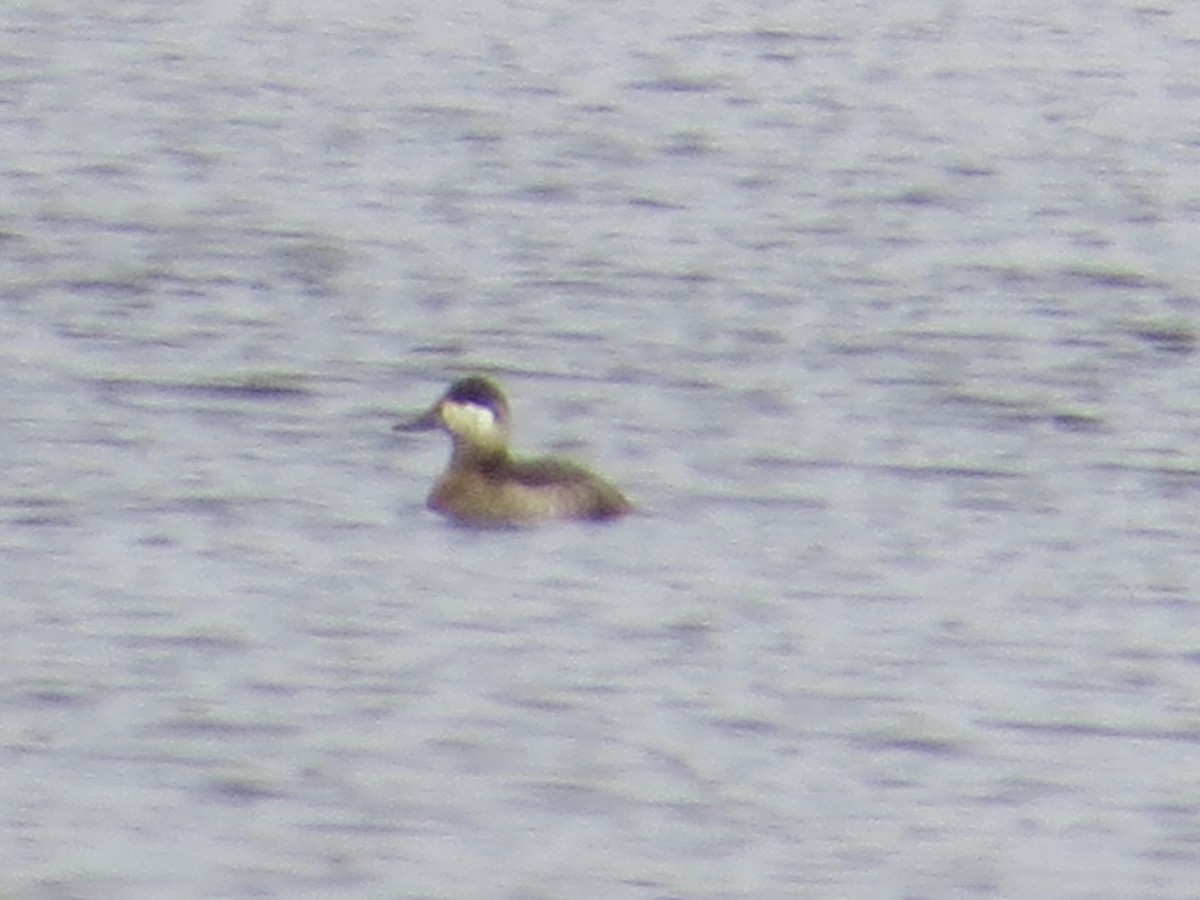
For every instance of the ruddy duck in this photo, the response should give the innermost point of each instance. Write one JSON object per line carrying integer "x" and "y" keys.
{"x": 485, "y": 485}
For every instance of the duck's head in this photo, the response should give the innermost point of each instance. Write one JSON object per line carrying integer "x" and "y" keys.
{"x": 473, "y": 411}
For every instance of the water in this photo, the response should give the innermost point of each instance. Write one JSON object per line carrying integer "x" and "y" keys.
{"x": 884, "y": 312}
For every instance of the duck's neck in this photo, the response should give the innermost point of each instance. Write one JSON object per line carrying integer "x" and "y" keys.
{"x": 475, "y": 455}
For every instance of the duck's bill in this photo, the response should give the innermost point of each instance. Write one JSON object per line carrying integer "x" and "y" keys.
{"x": 425, "y": 422}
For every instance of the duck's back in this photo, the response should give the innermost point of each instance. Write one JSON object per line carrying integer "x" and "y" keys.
{"x": 581, "y": 493}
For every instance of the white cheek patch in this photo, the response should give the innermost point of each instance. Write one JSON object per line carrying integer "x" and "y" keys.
{"x": 468, "y": 419}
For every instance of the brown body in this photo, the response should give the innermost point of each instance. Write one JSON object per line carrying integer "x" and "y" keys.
{"x": 509, "y": 492}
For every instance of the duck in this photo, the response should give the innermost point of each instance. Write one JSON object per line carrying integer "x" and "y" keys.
{"x": 485, "y": 485}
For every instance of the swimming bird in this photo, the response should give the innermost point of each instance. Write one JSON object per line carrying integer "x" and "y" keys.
{"x": 485, "y": 485}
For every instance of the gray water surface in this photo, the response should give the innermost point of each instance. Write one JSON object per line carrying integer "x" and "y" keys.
{"x": 885, "y": 313}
